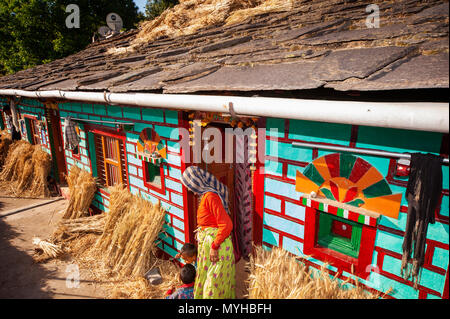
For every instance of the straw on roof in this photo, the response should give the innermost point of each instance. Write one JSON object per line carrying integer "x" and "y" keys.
{"x": 192, "y": 15}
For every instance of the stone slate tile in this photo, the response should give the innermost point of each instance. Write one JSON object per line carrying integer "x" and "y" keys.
{"x": 288, "y": 76}
{"x": 421, "y": 72}
{"x": 314, "y": 39}
{"x": 221, "y": 44}
{"x": 147, "y": 83}
{"x": 360, "y": 63}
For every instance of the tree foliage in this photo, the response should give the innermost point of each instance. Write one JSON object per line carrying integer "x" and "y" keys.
{"x": 154, "y": 8}
{"x": 33, "y": 32}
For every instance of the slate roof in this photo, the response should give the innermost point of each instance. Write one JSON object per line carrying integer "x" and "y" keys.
{"x": 321, "y": 43}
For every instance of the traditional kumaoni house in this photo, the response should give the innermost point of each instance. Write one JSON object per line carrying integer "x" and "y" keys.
{"x": 339, "y": 94}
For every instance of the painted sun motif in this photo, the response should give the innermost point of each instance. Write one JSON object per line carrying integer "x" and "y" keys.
{"x": 149, "y": 143}
{"x": 348, "y": 179}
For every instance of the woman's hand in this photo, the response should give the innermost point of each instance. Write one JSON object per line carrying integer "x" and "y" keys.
{"x": 214, "y": 255}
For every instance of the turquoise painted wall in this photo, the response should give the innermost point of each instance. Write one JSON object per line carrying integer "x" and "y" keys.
{"x": 165, "y": 123}
{"x": 284, "y": 217}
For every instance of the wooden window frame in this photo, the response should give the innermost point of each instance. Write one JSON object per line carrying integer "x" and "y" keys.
{"x": 103, "y": 131}
{"x": 31, "y": 124}
{"x": 149, "y": 185}
{"x": 360, "y": 264}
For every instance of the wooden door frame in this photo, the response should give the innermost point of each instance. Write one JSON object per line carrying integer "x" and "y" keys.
{"x": 56, "y": 141}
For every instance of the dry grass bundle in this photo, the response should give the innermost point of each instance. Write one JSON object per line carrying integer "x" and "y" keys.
{"x": 131, "y": 228}
{"x": 192, "y": 15}
{"x": 117, "y": 248}
{"x": 20, "y": 152}
{"x": 25, "y": 170}
{"x": 5, "y": 142}
{"x": 263, "y": 7}
{"x": 141, "y": 289}
{"x": 276, "y": 275}
{"x": 69, "y": 229}
{"x": 82, "y": 187}
{"x": 48, "y": 248}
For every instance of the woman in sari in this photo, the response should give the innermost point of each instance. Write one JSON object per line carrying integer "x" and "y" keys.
{"x": 215, "y": 262}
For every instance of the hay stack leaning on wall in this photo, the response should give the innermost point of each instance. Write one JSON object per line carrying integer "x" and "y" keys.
{"x": 25, "y": 171}
{"x": 82, "y": 187}
{"x": 5, "y": 143}
{"x": 131, "y": 229}
{"x": 275, "y": 274}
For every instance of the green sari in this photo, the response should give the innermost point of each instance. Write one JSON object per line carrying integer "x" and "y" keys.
{"x": 214, "y": 280}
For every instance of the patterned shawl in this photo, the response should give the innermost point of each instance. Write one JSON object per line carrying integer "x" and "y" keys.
{"x": 200, "y": 182}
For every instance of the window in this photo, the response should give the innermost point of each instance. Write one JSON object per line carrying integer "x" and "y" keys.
{"x": 154, "y": 176}
{"x": 346, "y": 242}
{"x": 339, "y": 234}
{"x": 110, "y": 160}
{"x": 76, "y": 152}
{"x": 33, "y": 131}
{"x": 2, "y": 121}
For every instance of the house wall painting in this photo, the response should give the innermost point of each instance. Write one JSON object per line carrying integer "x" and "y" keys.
{"x": 323, "y": 65}
{"x": 282, "y": 215}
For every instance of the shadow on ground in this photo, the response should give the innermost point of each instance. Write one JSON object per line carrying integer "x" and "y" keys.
{"x": 20, "y": 277}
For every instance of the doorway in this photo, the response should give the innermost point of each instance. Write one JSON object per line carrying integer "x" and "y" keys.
{"x": 56, "y": 143}
{"x": 236, "y": 176}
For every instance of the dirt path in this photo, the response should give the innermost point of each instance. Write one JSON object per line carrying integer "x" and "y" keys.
{"x": 20, "y": 276}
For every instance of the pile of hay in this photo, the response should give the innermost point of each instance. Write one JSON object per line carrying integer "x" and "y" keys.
{"x": 275, "y": 274}
{"x": 192, "y": 15}
{"x": 25, "y": 171}
{"x": 5, "y": 143}
{"x": 131, "y": 229}
{"x": 139, "y": 288}
{"x": 82, "y": 187}
{"x": 117, "y": 248}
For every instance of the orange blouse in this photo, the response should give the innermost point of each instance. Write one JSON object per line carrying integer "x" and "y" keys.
{"x": 211, "y": 213}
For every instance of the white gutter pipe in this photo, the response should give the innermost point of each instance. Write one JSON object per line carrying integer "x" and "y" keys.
{"x": 359, "y": 151}
{"x": 419, "y": 116}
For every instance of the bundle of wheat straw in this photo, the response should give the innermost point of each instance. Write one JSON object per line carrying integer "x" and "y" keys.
{"x": 140, "y": 288}
{"x": 82, "y": 187}
{"x": 131, "y": 229}
{"x": 275, "y": 274}
{"x": 26, "y": 170}
{"x": 19, "y": 153}
{"x": 69, "y": 228}
{"x": 34, "y": 179}
{"x": 48, "y": 248}
{"x": 5, "y": 143}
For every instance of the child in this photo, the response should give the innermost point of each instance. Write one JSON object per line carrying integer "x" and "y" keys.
{"x": 188, "y": 253}
{"x": 186, "y": 291}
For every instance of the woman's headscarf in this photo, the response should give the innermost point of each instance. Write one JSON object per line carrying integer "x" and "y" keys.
{"x": 200, "y": 182}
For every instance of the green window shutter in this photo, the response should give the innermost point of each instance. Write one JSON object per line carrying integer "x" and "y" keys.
{"x": 326, "y": 238}
{"x": 28, "y": 126}
{"x": 92, "y": 154}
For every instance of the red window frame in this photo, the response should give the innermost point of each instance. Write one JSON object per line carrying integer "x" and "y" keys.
{"x": 149, "y": 185}
{"x": 361, "y": 264}
{"x": 109, "y": 132}
{"x": 35, "y": 130}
